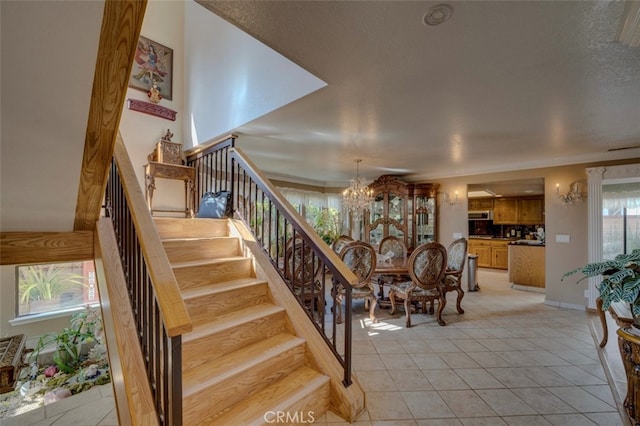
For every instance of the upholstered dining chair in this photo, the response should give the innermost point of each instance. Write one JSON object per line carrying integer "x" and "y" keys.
{"x": 301, "y": 269}
{"x": 456, "y": 259}
{"x": 398, "y": 249}
{"x": 360, "y": 258}
{"x": 427, "y": 266}
{"x": 340, "y": 242}
{"x": 394, "y": 245}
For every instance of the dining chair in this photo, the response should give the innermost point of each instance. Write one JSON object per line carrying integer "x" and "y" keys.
{"x": 456, "y": 259}
{"x": 427, "y": 266}
{"x": 360, "y": 258}
{"x": 397, "y": 248}
{"x": 301, "y": 269}
{"x": 340, "y": 242}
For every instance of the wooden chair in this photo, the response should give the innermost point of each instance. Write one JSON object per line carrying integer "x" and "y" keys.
{"x": 340, "y": 242}
{"x": 397, "y": 247}
{"x": 360, "y": 258}
{"x": 456, "y": 259}
{"x": 393, "y": 244}
{"x": 301, "y": 269}
{"x": 427, "y": 266}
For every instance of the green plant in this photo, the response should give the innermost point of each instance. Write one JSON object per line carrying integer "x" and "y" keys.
{"x": 621, "y": 279}
{"x": 326, "y": 222}
{"x": 85, "y": 327}
{"x": 46, "y": 282}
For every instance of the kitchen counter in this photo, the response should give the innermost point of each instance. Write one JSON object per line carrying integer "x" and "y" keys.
{"x": 533, "y": 243}
{"x": 527, "y": 264}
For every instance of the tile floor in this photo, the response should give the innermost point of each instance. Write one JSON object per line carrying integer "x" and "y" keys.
{"x": 509, "y": 360}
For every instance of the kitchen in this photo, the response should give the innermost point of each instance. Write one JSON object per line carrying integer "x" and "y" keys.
{"x": 506, "y": 229}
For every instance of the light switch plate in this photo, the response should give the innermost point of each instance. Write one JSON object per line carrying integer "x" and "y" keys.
{"x": 563, "y": 238}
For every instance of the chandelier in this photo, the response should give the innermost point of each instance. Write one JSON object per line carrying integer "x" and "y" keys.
{"x": 357, "y": 197}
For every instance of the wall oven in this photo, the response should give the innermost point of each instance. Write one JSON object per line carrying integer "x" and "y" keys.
{"x": 481, "y": 215}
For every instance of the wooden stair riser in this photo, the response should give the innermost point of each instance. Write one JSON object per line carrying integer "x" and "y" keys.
{"x": 233, "y": 390}
{"x": 202, "y": 249}
{"x": 208, "y": 307}
{"x": 208, "y": 274}
{"x": 303, "y": 396}
{"x": 213, "y": 346}
{"x": 170, "y": 228}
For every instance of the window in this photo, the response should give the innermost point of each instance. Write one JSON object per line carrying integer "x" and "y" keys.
{"x": 55, "y": 287}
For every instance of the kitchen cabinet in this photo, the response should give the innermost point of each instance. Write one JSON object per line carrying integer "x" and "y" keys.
{"x": 531, "y": 211}
{"x": 518, "y": 211}
{"x": 499, "y": 254}
{"x": 491, "y": 253}
{"x": 480, "y": 204}
{"x": 401, "y": 209}
{"x": 505, "y": 211}
{"x": 481, "y": 248}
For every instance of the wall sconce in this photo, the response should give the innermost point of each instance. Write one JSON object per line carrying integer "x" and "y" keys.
{"x": 451, "y": 201}
{"x": 574, "y": 195}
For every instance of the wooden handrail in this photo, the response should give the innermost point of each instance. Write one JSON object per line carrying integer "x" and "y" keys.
{"x": 327, "y": 255}
{"x": 174, "y": 312}
{"x": 203, "y": 147}
{"x": 132, "y": 391}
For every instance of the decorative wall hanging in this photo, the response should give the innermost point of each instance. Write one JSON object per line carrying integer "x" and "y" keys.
{"x": 153, "y": 65}
{"x": 152, "y": 109}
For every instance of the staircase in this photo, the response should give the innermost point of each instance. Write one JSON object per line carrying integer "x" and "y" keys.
{"x": 242, "y": 361}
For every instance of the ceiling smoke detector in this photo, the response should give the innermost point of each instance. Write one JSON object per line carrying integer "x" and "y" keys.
{"x": 437, "y": 14}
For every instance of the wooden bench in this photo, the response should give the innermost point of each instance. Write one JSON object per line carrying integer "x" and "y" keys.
{"x": 621, "y": 313}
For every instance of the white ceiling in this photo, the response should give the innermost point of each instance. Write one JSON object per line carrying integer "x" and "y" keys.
{"x": 500, "y": 86}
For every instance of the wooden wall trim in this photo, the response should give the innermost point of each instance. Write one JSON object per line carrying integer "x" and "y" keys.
{"x": 121, "y": 25}
{"x": 134, "y": 400}
{"x": 45, "y": 247}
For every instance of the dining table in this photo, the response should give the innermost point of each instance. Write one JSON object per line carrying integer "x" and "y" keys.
{"x": 396, "y": 268}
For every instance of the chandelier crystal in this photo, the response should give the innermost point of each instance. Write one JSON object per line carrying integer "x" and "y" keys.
{"x": 357, "y": 197}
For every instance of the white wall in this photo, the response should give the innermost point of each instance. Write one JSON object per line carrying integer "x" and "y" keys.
{"x": 164, "y": 24}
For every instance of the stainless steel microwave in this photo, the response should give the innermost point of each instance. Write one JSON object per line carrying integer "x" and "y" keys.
{"x": 481, "y": 215}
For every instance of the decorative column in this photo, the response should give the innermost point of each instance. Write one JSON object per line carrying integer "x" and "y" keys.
{"x": 595, "y": 176}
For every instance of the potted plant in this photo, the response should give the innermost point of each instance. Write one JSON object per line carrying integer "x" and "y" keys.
{"x": 85, "y": 327}
{"x": 620, "y": 282}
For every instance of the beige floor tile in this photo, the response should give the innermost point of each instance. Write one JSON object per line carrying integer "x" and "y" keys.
{"x": 605, "y": 419}
{"x": 429, "y": 361}
{"x": 569, "y": 420}
{"x": 439, "y": 422}
{"x": 445, "y": 380}
{"x": 602, "y": 392}
{"x": 376, "y": 380}
{"x": 512, "y": 377}
{"x": 543, "y": 401}
{"x": 409, "y": 380}
{"x": 577, "y": 376}
{"x": 466, "y": 403}
{"x": 537, "y": 420}
{"x": 387, "y": 406}
{"x": 505, "y": 402}
{"x": 459, "y": 359}
{"x": 479, "y": 378}
{"x": 580, "y": 399}
{"x": 487, "y": 359}
{"x": 427, "y": 404}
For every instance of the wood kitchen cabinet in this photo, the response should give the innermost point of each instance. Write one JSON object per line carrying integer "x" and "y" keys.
{"x": 481, "y": 248}
{"x": 505, "y": 211}
{"x": 491, "y": 253}
{"x": 499, "y": 254}
{"x": 518, "y": 211}
{"x": 480, "y": 204}
{"x": 531, "y": 211}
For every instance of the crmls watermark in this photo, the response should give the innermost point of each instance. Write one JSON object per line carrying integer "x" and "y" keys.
{"x": 297, "y": 417}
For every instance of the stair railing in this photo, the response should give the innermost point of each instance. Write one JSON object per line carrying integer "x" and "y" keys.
{"x": 303, "y": 260}
{"x": 160, "y": 314}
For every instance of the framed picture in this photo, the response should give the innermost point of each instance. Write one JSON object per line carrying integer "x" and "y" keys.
{"x": 153, "y": 64}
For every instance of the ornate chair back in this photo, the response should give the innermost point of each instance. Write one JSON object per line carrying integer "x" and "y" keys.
{"x": 392, "y": 244}
{"x": 457, "y": 256}
{"x": 427, "y": 265}
{"x": 340, "y": 242}
{"x": 360, "y": 258}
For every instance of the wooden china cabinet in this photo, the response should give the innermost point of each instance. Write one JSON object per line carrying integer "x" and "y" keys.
{"x": 402, "y": 209}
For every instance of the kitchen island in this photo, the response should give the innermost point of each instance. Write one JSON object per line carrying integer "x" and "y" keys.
{"x": 526, "y": 264}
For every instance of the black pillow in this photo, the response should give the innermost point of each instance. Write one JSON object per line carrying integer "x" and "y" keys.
{"x": 215, "y": 205}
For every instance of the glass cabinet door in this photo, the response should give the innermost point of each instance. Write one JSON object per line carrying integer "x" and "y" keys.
{"x": 396, "y": 208}
{"x": 425, "y": 220}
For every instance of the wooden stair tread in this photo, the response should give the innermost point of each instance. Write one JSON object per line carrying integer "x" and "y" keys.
{"x": 195, "y": 380}
{"x": 231, "y": 319}
{"x": 221, "y": 287}
{"x": 211, "y": 262}
{"x": 205, "y": 238}
{"x": 278, "y": 397}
